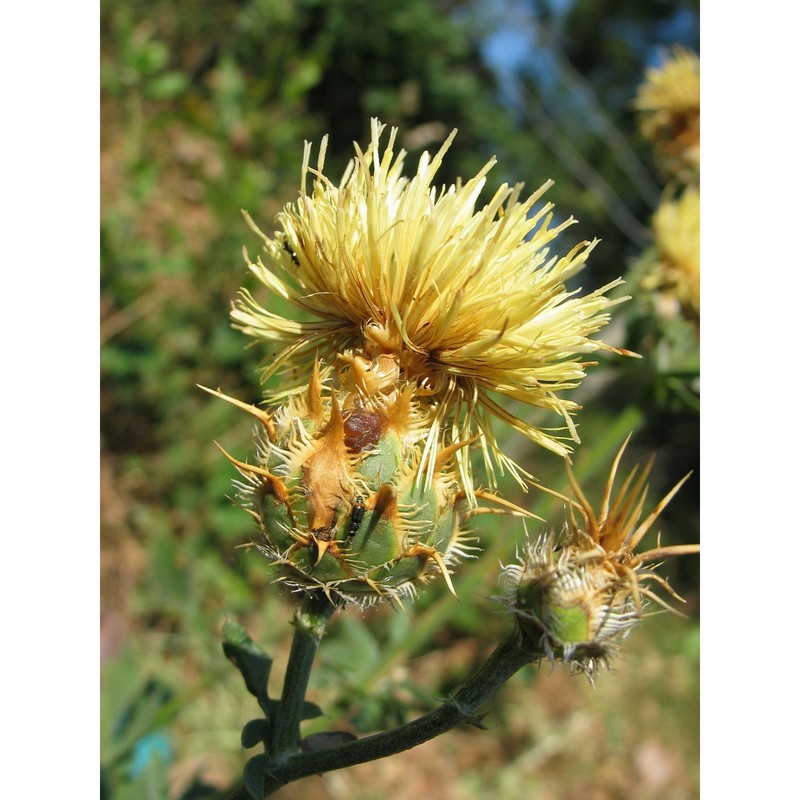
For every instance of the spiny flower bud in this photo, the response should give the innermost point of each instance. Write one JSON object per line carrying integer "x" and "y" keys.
{"x": 578, "y": 594}
{"x": 343, "y": 497}
{"x": 571, "y": 606}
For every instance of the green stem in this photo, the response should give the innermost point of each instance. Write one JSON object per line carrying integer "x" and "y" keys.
{"x": 462, "y": 708}
{"x": 309, "y": 627}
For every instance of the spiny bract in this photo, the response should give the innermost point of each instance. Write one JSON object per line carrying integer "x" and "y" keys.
{"x": 578, "y": 594}
{"x": 337, "y": 490}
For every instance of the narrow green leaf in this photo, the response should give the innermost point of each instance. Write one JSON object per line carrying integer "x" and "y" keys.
{"x": 310, "y": 711}
{"x": 249, "y": 659}
{"x": 255, "y": 732}
{"x": 255, "y": 771}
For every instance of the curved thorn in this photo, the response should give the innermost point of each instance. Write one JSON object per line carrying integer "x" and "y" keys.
{"x": 258, "y": 413}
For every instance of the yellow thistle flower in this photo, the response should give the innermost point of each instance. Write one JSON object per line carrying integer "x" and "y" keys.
{"x": 580, "y": 593}
{"x": 414, "y": 286}
{"x": 669, "y": 106}
{"x": 676, "y": 228}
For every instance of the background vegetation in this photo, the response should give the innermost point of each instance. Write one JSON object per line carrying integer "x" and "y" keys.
{"x": 204, "y": 111}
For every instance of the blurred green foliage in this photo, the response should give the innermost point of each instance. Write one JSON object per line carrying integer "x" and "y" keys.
{"x": 204, "y": 111}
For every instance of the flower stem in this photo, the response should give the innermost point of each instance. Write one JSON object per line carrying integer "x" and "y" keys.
{"x": 310, "y": 622}
{"x": 462, "y": 708}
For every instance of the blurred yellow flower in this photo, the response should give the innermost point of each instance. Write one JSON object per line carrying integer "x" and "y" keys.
{"x": 669, "y": 113}
{"x": 676, "y": 228}
{"x": 423, "y": 289}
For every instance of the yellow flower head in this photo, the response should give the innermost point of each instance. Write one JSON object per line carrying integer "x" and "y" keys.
{"x": 669, "y": 107}
{"x": 411, "y": 285}
{"x": 676, "y": 229}
{"x": 579, "y": 594}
